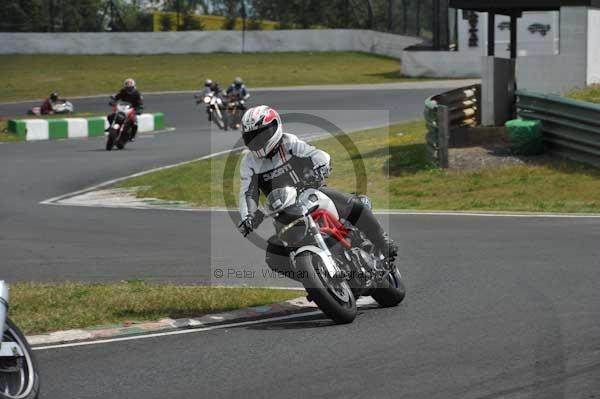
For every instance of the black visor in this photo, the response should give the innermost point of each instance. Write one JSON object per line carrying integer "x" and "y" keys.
{"x": 255, "y": 140}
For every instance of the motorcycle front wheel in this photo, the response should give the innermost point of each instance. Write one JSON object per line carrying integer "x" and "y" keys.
{"x": 218, "y": 120}
{"x": 110, "y": 140}
{"x": 334, "y": 298}
{"x": 123, "y": 139}
{"x": 19, "y": 378}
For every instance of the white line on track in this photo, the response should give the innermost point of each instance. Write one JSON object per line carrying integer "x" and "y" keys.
{"x": 179, "y": 332}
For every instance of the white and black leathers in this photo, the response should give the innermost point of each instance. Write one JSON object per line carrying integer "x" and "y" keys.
{"x": 287, "y": 166}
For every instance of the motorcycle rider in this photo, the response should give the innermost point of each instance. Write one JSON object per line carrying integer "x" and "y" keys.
{"x": 47, "y": 107}
{"x": 130, "y": 94}
{"x": 238, "y": 91}
{"x": 208, "y": 87}
{"x": 277, "y": 160}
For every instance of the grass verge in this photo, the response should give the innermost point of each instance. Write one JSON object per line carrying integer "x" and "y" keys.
{"x": 27, "y": 77}
{"x": 5, "y": 136}
{"x": 398, "y": 177}
{"x": 39, "y": 308}
{"x": 590, "y": 94}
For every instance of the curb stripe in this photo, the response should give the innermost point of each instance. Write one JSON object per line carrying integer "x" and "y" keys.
{"x": 54, "y": 129}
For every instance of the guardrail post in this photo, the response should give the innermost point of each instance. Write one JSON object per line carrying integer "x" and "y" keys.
{"x": 443, "y": 135}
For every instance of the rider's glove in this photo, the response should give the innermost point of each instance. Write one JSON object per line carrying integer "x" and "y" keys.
{"x": 251, "y": 222}
{"x": 322, "y": 171}
{"x": 245, "y": 226}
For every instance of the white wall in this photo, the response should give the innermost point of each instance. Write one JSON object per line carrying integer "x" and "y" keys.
{"x": 441, "y": 64}
{"x": 205, "y": 42}
{"x": 593, "y": 62}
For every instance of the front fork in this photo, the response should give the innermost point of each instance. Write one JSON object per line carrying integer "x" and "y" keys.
{"x": 332, "y": 267}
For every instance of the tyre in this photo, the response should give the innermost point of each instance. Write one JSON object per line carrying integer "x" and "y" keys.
{"x": 335, "y": 299}
{"x": 219, "y": 121}
{"x": 225, "y": 120}
{"x": 391, "y": 290}
{"x": 19, "y": 378}
{"x": 110, "y": 141}
{"x": 122, "y": 141}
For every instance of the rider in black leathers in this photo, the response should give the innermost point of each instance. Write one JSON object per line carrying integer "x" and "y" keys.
{"x": 131, "y": 95}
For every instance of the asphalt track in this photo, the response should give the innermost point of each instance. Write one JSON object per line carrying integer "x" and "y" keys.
{"x": 496, "y": 307}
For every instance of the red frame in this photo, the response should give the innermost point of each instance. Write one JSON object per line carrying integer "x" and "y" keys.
{"x": 331, "y": 226}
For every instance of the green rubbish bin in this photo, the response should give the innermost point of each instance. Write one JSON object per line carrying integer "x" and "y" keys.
{"x": 525, "y": 136}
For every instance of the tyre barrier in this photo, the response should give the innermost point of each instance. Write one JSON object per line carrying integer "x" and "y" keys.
{"x": 67, "y": 128}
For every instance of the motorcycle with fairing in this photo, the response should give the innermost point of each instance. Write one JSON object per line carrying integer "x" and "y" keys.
{"x": 19, "y": 378}
{"x": 334, "y": 260}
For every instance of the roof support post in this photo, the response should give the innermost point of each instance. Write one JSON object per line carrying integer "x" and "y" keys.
{"x": 513, "y": 36}
{"x": 491, "y": 36}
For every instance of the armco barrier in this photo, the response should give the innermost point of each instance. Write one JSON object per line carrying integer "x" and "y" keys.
{"x": 571, "y": 128}
{"x": 447, "y": 112}
{"x": 52, "y": 129}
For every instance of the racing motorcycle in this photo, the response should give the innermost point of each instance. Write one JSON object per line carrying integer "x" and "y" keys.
{"x": 334, "y": 260}
{"x": 119, "y": 131}
{"x": 19, "y": 378}
{"x": 234, "y": 112}
{"x": 214, "y": 108}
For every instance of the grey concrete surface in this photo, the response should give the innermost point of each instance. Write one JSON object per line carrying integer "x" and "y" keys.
{"x": 206, "y": 42}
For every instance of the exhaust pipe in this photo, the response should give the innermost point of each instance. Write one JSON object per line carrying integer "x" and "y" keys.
{"x": 3, "y": 307}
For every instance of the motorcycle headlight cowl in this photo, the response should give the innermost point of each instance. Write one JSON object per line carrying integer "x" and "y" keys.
{"x": 294, "y": 232}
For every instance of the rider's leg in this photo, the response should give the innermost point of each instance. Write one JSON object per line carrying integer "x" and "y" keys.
{"x": 134, "y": 129}
{"x": 351, "y": 208}
{"x": 110, "y": 119}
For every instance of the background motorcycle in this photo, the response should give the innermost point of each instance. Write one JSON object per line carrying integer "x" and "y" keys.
{"x": 214, "y": 108}
{"x": 119, "y": 131}
{"x": 334, "y": 261}
{"x": 60, "y": 107}
{"x": 234, "y": 107}
{"x": 18, "y": 368}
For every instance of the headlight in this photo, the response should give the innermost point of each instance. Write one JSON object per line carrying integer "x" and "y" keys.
{"x": 207, "y": 100}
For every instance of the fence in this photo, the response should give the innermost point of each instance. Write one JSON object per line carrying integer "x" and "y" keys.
{"x": 571, "y": 128}
{"x": 447, "y": 112}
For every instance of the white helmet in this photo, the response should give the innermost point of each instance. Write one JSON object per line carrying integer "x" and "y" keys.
{"x": 129, "y": 83}
{"x": 262, "y": 130}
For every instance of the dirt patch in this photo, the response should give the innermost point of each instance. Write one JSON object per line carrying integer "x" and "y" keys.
{"x": 492, "y": 155}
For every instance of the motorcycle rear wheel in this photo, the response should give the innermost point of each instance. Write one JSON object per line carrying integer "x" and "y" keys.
{"x": 19, "y": 378}
{"x": 336, "y": 300}
{"x": 391, "y": 290}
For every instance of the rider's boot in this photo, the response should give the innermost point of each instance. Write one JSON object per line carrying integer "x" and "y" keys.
{"x": 389, "y": 250}
{"x": 134, "y": 130}
{"x": 362, "y": 217}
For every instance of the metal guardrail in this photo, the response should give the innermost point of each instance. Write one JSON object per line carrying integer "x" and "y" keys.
{"x": 571, "y": 128}
{"x": 446, "y": 112}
